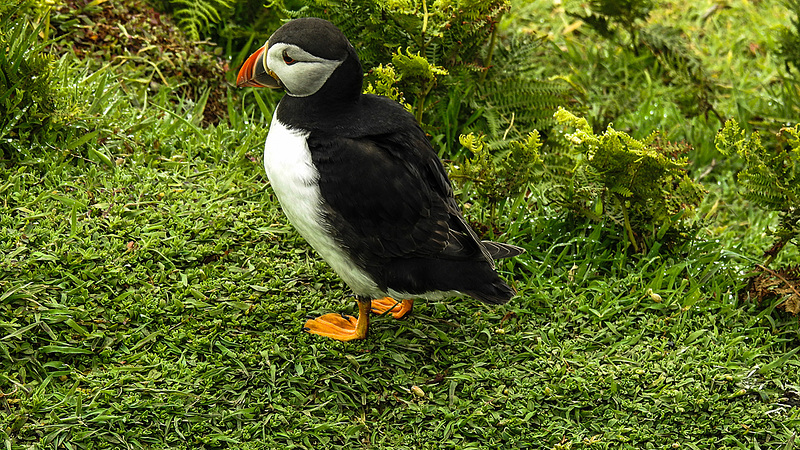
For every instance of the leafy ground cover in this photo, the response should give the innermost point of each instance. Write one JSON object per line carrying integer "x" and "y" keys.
{"x": 152, "y": 293}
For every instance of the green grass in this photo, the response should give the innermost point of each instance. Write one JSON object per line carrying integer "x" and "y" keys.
{"x": 152, "y": 295}
{"x": 189, "y": 336}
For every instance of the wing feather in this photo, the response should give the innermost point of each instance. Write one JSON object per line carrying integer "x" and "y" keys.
{"x": 388, "y": 196}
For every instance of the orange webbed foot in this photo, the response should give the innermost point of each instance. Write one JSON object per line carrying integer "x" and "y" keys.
{"x": 340, "y": 326}
{"x": 389, "y": 305}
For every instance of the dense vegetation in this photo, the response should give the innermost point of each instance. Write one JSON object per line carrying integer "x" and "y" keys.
{"x": 644, "y": 153}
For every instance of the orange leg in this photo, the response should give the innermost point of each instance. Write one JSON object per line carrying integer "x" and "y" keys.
{"x": 387, "y": 304}
{"x": 340, "y": 326}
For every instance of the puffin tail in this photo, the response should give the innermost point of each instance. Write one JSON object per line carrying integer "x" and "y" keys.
{"x": 498, "y": 250}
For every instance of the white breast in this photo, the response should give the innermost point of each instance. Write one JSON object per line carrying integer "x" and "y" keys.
{"x": 294, "y": 179}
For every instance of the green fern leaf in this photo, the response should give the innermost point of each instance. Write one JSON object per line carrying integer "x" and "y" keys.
{"x": 196, "y": 16}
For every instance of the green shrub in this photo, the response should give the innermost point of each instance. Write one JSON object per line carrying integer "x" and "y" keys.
{"x": 498, "y": 177}
{"x": 49, "y": 107}
{"x": 418, "y": 78}
{"x": 29, "y": 102}
{"x": 511, "y": 101}
{"x": 642, "y": 185}
{"x": 770, "y": 177}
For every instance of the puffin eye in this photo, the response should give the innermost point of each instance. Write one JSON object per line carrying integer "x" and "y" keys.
{"x": 288, "y": 59}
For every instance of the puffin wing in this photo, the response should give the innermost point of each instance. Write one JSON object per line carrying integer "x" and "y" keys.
{"x": 388, "y": 196}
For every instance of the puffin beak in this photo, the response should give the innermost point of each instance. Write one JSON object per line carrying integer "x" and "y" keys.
{"x": 255, "y": 73}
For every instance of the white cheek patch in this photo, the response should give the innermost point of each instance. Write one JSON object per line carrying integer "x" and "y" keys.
{"x": 306, "y": 75}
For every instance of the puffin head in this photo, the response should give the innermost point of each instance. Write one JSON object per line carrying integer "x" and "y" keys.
{"x": 305, "y": 57}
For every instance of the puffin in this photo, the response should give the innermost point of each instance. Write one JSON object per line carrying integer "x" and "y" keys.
{"x": 358, "y": 178}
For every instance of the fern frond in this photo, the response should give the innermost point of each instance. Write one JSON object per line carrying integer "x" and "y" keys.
{"x": 769, "y": 178}
{"x": 525, "y": 104}
{"x": 634, "y": 182}
{"x": 196, "y": 16}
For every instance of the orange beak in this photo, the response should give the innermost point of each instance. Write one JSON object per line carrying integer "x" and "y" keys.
{"x": 255, "y": 73}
